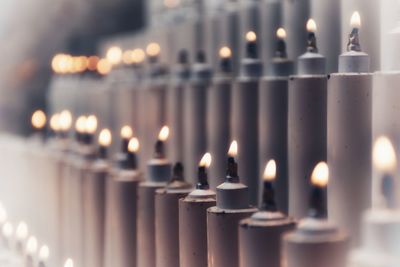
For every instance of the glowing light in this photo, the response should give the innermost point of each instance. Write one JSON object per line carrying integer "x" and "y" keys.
{"x": 32, "y": 245}
{"x": 270, "y": 171}
{"x": 153, "y": 49}
{"x": 21, "y": 232}
{"x": 384, "y": 156}
{"x": 92, "y": 63}
{"x": 164, "y": 133}
{"x": 355, "y": 20}
{"x": 69, "y": 263}
{"x": 38, "y": 119}
{"x": 65, "y": 120}
{"x": 133, "y": 145}
{"x": 171, "y": 3}
{"x": 105, "y": 137}
{"x": 251, "y": 36}
{"x": 80, "y": 124}
{"x": 127, "y": 57}
{"x": 3, "y": 214}
{"x": 206, "y": 160}
{"x": 311, "y": 25}
{"x": 233, "y": 149}
{"x": 225, "y": 52}
{"x": 55, "y": 122}
{"x": 138, "y": 56}
{"x": 104, "y": 66}
{"x": 80, "y": 64}
{"x": 91, "y": 124}
{"x": 7, "y": 230}
{"x": 114, "y": 55}
{"x": 126, "y": 132}
{"x": 44, "y": 253}
{"x": 320, "y": 174}
{"x": 281, "y": 33}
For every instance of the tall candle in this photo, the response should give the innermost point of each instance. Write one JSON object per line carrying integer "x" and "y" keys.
{"x": 306, "y": 122}
{"x": 244, "y": 116}
{"x": 250, "y": 20}
{"x": 271, "y": 20}
{"x": 349, "y": 136}
{"x": 218, "y": 115}
{"x": 273, "y": 113}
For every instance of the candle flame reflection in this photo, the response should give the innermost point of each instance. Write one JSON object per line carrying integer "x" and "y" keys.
{"x": 320, "y": 174}
{"x": 270, "y": 171}
{"x": 133, "y": 145}
{"x": 206, "y": 160}
{"x": 105, "y": 138}
{"x": 384, "y": 156}
{"x": 233, "y": 149}
{"x": 164, "y": 133}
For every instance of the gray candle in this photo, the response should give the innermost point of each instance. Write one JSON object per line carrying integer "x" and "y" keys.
{"x": 316, "y": 241}
{"x": 260, "y": 234}
{"x": 179, "y": 81}
{"x": 195, "y": 101}
{"x": 222, "y": 220}
{"x": 350, "y": 137}
{"x": 273, "y": 112}
{"x": 121, "y": 210}
{"x": 167, "y": 218}
{"x": 193, "y": 219}
{"x": 158, "y": 173}
{"x": 218, "y": 115}
{"x": 250, "y": 20}
{"x": 244, "y": 116}
{"x": 270, "y": 21}
{"x": 306, "y": 122}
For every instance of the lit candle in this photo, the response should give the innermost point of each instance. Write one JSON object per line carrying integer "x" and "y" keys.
{"x": 65, "y": 122}
{"x": 193, "y": 219}
{"x": 194, "y": 117}
{"x": 244, "y": 115}
{"x": 223, "y": 219}
{"x": 69, "y": 263}
{"x": 30, "y": 252}
{"x": 250, "y": 20}
{"x": 260, "y": 235}
{"x": 271, "y": 20}
{"x": 44, "y": 255}
{"x": 159, "y": 172}
{"x": 38, "y": 121}
{"x": 350, "y": 136}
{"x": 21, "y": 235}
{"x": 7, "y": 231}
{"x": 306, "y": 122}
{"x": 316, "y": 241}
{"x": 218, "y": 115}
{"x": 55, "y": 124}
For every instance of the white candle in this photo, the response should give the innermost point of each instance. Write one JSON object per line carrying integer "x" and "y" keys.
{"x": 21, "y": 234}
{"x": 7, "y": 232}
{"x": 31, "y": 250}
{"x": 44, "y": 254}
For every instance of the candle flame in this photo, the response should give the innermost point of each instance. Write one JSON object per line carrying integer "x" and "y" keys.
{"x": 44, "y": 253}
{"x": 164, "y": 133}
{"x": 104, "y": 66}
{"x": 320, "y": 174}
{"x": 251, "y": 36}
{"x": 126, "y": 132}
{"x": 355, "y": 20}
{"x": 270, "y": 171}
{"x": 153, "y": 49}
{"x": 138, "y": 56}
{"x": 105, "y": 137}
{"x": 7, "y": 230}
{"x": 69, "y": 263}
{"x": 21, "y": 232}
{"x": 311, "y": 25}
{"x": 233, "y": 149}
{"x": 32, "y": 246}
{"x": 38, "y": 119}
{"x": 92, "y": 62}
{"x": 127, "y": 57}
{"x": 133, "y": 145}
{"x": 65, "y": 120}
{"x": 55, "y": 122}
{"x": 80, "y": 124}
{"x": 91, "y": 124}
{"x": 281, "y": 33}
{"x": 384, "y": 156}
{"x": 114, "y": 55}
{"x": 206, "y": 160}
{"x": 225, "y": 52}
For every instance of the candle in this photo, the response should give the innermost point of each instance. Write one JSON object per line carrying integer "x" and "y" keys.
{"x": 121, "y": 210}
{"x": 232, "y": 206}
{"x": 69, "y": 263}
{"x": 126, "y": 134}
{"x": 271, "y": 20}
{"x": 349, "y": 136}
{"x": 194, "y": 118}
{"x": 7, "y": 231}
{"x": 244, "y": 116}
{"x": 250, "y": 20}
{"x": 316, "y": 241}
{"x": 306, "y": 122}
{"x": 44, "y": 255}
{"x": 94, "y": 200}
{"x": 167, "y": 218}
{"x": 21, "y": 235}
{"x": 193, "y": 219}
{"x": 218, "y": 115}
{"x": 180, "y": 78}
{"x": 38, "y": 121}
{"x": 260, "y": 234}
{"x": 379, "y": 239}
{"x": 273, "y": 115}
{"x": 30, "y": 252}
{"x": 159, "y": 172}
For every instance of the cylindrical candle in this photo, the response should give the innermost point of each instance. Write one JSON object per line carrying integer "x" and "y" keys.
{"x": 218, "y": 115}
{"x": 271, "y": 20}
{"x": 167, "y": 218}
{"x": 244, "y": 116}
{"x": 273, "y": 112}
{"x": 350, "y": 137}
{"x": 195, "y": 101}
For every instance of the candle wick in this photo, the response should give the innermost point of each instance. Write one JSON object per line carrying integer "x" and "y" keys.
{"x": 354, "y": 41}
{"x": 312, "y": 43}
{"x": 268, "y": 199}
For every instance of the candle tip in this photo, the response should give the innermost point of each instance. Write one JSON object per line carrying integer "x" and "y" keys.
{"x": 320, "y": 175}
{"x": 138, "y": 56}
{"x": 133, "y": 145}
{"x": 270, "y": 171}
{"x": 105, "y": 137}
{"x": 206, "y": 160}
{"x": 384, "y": 156}
{"x": 38, "y": 119}
{"x": 183, "y": 56}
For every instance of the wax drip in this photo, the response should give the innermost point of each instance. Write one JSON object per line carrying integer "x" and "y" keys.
{"x": 312, "y": 43}
{"x": 354, "y": 41}
{"x": 318, "y": 202}
{"x": 159, "y": 150}
{"x": 232, "y": 171}
{"x": 281, "y": 49}
{"x": 268, "y": 197}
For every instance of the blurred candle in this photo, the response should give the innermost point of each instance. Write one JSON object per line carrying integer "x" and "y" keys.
{"x": 21, "y": 235}
{"x": 7, "y": 231}
{"x": 31, "y": 251}
{"x": 44, "y": 255}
